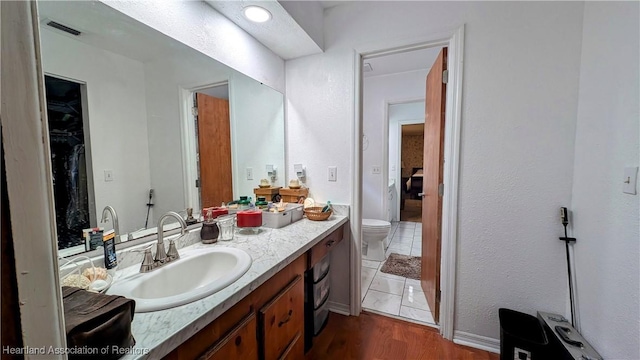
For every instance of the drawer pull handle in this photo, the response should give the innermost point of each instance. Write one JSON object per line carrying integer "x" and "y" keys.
{"x": 286, "y": 320}
{"x": 330, "y": 243}
{"x": 238, "y": 340}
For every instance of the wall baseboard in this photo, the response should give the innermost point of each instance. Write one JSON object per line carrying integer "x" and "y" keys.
{"x": 477, "y": 341}
{"x": 342, "y": 309}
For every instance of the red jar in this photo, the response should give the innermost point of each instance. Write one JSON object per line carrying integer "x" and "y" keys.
{"x": 249, "y": 218}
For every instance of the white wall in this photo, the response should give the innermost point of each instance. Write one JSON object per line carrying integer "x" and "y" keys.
{"x": 257, "y": 128}
{"x": 400, "y": 113}
{"x": 199, "y": 26}
{"x": 117, "y": 122}
{"x": 164, "y": 77}
{"x": 518, "y": 125}
{"x": 378, "y": 92}
{"x": 605, "y": 221}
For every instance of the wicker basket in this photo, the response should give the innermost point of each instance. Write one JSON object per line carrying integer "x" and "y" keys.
{"x": 316, "y": 214}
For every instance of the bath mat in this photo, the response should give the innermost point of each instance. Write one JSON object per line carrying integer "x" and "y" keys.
{"x": 402, "y": 265}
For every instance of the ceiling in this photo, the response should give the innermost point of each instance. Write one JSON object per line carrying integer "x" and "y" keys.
{"x": 282, "y": 34}
{"x": 402, "y": 62}
{"x": 108, "y": 29}
{"x": 330, "y": 4}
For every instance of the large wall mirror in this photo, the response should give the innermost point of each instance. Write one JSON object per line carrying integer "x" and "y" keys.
{"x": 138, "y": 118}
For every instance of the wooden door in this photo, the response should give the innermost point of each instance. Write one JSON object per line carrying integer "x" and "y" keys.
{"x": 433, "y": 177}
{"x": 214, "y": 150}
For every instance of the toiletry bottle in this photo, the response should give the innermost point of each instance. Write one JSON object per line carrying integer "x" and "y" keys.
{"x": 327, "y": 207}
{"x": 209, "y": 231}
{"x": 243, "y": 203}
{"x": 109, "y": 245}
{"x": 261, "y": 203}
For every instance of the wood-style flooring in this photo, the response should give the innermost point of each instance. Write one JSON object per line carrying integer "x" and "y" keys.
{"x": 372, "y": 336}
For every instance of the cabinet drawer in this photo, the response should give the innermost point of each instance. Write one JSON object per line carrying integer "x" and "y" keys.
{"x": 295, "y": 348}
{"x": 324, "y": 246}
{"x": 321, "y": 268}
{"x": 281, "y": 320}
{"x": 320, "y": 291}
{"x": 240, "y": 343}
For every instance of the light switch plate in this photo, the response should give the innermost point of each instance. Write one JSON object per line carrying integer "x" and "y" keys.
{"x": 108, "y": 175}
{"x": 630, "y": 180}
{"x": 249, "y": 173}
{"x": 333, "y": 173}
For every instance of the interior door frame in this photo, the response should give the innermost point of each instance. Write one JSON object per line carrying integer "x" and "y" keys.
{"x": 93, "y": 210}
{"x": 29, "y": 179}
{"x": 398, "y": 179}
{"x": 189, "y": 141}
{"x": 454, "y": 40}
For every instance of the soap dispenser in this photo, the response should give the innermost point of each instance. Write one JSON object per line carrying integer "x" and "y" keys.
{"x": 209, "y": 232}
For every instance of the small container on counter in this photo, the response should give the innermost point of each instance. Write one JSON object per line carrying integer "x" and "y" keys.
{"x": 262, "y": 203}
{"x": 215, "y": 212}
{"x": 92, "y": 238}
{"x": 249, "y": 218}
{"x": 109, "y": 244}
{"x": 209, "y": 231}
{"x": 226, "y": 223}
{"x": 243, "y": 203}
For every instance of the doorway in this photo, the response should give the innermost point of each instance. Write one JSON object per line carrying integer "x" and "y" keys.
{"x": 454, "y": 40}
{"x": 411, "y": 171}
{"x": 391, "y": 284}
{"x": 214, "y": 181}
{"x": 70, "y": 160}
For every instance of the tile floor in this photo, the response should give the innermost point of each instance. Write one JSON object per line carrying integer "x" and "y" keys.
{"x": 391, "y": 294}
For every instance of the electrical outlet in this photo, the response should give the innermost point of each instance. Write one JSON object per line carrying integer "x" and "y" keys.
{"x": 375, "y": 169}
{"x": 108, "y": 175}
{"x": 249, "y": 173}
{"x": 333, "y": 173}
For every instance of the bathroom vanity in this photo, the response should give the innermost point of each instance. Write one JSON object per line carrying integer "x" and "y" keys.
{"x": 261, "y": 315}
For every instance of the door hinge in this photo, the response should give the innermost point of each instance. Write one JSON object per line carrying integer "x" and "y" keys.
{"x": 194, "y": 111}
{"x": 438, "y": 295}
{"x": 441, "y": 189}
{"x": 197, "y": 183}
{"x": 445, "y": 76}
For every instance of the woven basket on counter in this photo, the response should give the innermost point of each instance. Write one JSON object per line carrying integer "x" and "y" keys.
{"x": 316, "y": 214}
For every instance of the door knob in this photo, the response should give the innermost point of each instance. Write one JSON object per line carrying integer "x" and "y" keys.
{"x": 421, "y": 194}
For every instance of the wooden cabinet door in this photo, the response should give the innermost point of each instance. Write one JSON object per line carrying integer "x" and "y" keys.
{"x": 295, "y": 348}
{"x": 240, "y": 343}
{"x": 282, "y": 320}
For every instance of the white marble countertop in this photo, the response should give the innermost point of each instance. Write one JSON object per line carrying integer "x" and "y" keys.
{"x": 158, "y": 333}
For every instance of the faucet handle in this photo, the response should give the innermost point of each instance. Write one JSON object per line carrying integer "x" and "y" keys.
{"x": 147, "y": 262}
{"x": 172, "y": 254}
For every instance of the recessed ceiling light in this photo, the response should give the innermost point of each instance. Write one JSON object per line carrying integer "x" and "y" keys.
{"x": 256, "y": 14}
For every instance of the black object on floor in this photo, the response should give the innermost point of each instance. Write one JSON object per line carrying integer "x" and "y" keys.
{"x": 522, "y": 336}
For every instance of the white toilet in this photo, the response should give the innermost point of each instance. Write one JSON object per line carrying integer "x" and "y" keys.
{"x": 375, "y": 235}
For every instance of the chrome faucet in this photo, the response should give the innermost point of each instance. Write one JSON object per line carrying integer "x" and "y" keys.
{"x": 172, "y": 254}
{"x": 114, "y": 218}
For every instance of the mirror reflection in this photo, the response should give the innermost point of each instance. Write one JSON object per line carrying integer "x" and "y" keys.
{"x": 144, "y": 124}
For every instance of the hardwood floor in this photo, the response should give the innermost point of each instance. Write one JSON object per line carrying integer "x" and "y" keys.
{"x": 372, "y": 336}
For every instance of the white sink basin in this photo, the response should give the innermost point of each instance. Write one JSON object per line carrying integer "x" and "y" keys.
{"x": 197, "y": 274}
